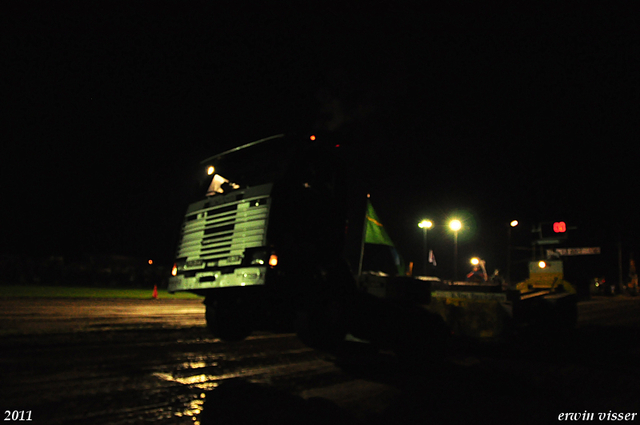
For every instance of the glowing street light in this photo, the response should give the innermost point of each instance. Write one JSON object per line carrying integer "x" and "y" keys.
{"x": 481, "y": 263}
{"x": 425, "y": 225}
{"x": 455, "y": 225}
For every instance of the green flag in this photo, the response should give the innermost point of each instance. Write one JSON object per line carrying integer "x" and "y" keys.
{"x": 374, "y": 232}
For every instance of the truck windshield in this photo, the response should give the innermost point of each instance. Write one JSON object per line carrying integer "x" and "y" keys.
{"x": 253, "y": 165}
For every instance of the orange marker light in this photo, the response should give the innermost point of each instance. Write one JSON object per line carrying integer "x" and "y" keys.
{"x": 312, "y": 137}
{"x": 273, "y": 260}
{"x": 174, "y": 270}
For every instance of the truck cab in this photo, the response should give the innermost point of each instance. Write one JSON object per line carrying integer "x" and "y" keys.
{"x": 269, "y": 213}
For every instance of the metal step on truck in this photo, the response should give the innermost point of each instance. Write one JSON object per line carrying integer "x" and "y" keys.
{"x": 487, "y": 308}
{"x": 283, "y": 237}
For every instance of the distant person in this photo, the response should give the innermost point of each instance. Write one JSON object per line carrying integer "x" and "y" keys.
{"x": 476, "y": 275}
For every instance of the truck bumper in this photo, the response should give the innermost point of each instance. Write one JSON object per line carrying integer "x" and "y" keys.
{"x": 242, "y": 276}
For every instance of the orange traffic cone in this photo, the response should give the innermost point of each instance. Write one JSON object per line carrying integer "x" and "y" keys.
{"x": 155, "y": 291}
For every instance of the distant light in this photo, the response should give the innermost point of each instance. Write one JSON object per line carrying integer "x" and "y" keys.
{"x": 210, "y": 170}
{"x": 150, "y": 262}
{"x": 312, "y": 137}
{"x": 542, "y": 264}
{"x": 337, "y": 146}
{"x": 514, "y": 223}
{"x": 425, "y": 224}
{"x": 273, "y": 260}
{"x": 475, "y": 261}
{"x": 455, "y": 225}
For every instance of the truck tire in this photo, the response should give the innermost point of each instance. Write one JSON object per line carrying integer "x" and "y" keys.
{"x": 228, "y": 323}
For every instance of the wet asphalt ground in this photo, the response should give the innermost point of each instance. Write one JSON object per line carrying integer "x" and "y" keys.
{"x": 77, "y": 361}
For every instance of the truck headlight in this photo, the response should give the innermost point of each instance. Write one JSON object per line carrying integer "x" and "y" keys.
{"x": 259, "y": 257}
{"x": 262, "y": 257}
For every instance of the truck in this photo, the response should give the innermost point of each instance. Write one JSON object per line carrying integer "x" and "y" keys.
{"x": 283, "y": 237}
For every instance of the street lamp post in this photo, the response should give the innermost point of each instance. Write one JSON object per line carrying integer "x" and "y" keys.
{"x": 513, "y": 224}
{"x": 455, "y": 225}
{"x": 425, "y": 225}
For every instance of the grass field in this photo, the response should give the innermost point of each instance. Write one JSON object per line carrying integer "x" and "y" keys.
{"x": 71, "y": 292}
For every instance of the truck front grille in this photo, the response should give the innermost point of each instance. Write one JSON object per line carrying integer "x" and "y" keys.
{"x": 226, "y": 230}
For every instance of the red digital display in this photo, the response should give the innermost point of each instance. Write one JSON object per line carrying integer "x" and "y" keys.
{"x": 559, "y": 227}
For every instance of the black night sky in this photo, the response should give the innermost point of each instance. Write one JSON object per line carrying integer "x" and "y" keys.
{"x": 489, "y": 115}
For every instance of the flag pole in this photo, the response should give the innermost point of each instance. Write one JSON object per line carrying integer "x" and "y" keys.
{"x": 364, "y": 235}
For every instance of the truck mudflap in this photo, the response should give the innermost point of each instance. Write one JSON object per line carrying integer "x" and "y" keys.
{"x": 485, "y": 311}
{"x": 409, "y": 330}
{"x": 397, "y": 323}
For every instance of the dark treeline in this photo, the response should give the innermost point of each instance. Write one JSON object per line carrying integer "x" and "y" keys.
{"x": 108, "y": 271}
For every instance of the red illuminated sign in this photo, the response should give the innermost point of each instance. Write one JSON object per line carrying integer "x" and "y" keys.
{"x": 559, "y": 227}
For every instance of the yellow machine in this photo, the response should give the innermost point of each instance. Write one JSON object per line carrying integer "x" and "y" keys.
{"x": 546, "y": 275}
